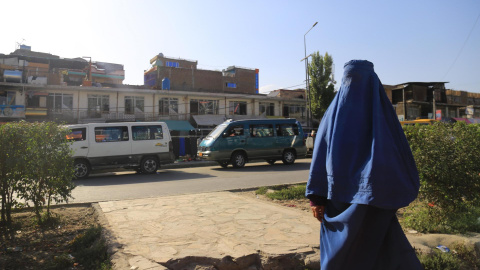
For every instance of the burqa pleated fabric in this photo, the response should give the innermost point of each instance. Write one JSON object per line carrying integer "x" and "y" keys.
{"x": 363, "y": 165}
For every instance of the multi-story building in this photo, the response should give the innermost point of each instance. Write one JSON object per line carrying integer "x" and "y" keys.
{"x": 182, "y": 74}
{"x": 62, "y": 95}
{"x": 413, "y": 100}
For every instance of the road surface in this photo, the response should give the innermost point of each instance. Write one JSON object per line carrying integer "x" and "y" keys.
{"x": 167, "y": 182}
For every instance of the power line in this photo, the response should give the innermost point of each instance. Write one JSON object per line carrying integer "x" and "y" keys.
{"x": 463, "y": 46}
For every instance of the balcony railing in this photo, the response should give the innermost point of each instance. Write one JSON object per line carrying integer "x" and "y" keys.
{"x": 86, "y": 116}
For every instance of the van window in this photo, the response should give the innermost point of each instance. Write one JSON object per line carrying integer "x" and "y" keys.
{"x": 235, "y": 131}
{"x": 287, "y": 130}
{"x": 140, "y": 133}
{"x": 111, "y": 134}
{"x": 261, "y": 130}
{"x": 77, "y": 134}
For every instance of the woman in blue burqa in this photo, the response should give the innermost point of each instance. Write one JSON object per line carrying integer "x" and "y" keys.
{"x": 362, "y": 171}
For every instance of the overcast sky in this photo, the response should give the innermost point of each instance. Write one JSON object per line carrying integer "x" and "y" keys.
{"x": 407, "y": 41}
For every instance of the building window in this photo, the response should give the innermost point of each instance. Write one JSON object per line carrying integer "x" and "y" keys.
{"x": 134, "y": 104}
{"x": 7, "y": 98}
{"x": 172, "y": 64}
{"x": 294, "y": 111}
{"x": 200, "y": 107}
{"x": 267, "y": 108}
{"x": 58, "y": 102}
{"x": 237, "y": 107}
{"x": 231, "y": 85}
{"x": 168, "y": 106}
{"x": 98, "y": 104}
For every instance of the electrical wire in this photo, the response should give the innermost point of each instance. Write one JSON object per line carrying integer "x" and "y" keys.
{"x": 461, "y": 49}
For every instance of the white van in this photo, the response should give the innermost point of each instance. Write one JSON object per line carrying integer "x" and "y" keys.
{"x": 141, "y": 146}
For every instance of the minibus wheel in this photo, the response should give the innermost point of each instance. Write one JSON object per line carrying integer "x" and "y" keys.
{"x": 149, "y": 165}
{"x": 238, "y": 160}
{"x": 288, "y": 157}
{"x": 82, "y": 169}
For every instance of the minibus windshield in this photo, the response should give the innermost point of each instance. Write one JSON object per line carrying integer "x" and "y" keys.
{"x": 216, "y": 132}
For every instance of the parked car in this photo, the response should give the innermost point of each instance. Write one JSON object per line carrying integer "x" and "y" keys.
{"x": 238, "y": 142}
{"x": 142, "y": 146}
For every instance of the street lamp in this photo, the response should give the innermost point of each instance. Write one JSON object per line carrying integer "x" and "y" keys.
{"x": 309, "y": 109}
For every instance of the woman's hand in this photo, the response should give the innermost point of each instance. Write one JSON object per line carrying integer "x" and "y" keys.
{"x": 318, "y": 212}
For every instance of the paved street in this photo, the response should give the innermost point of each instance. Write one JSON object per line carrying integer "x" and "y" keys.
{"x": 128, "y": 185}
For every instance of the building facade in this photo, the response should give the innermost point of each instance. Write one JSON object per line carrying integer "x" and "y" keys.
{"x": 181, "y": 74}
{"x": 415, "y": 100}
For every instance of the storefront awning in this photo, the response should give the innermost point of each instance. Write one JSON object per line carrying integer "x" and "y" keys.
{"x": 209, "y": 119}
{"x": 178, "y": 125}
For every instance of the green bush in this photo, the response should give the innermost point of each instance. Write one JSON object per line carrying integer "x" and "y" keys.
{"x": 35, "y": 165}
{"x": 447, "y": 158}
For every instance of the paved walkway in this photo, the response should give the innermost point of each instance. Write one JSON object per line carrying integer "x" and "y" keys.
{"x": 220, "y": 229}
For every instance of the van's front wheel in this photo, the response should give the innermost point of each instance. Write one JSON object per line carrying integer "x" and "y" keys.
{"x": 238, "y": 160}
{"x": 82, "y": 169}
{"x": 149, "y": 165}
{"x": 288, "y": 157}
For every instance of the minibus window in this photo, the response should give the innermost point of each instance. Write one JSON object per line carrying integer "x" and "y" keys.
{"x": 287, "y": 130}
{"x": 140, "y": 133}
{"x": 261, "y": 130}
{"x": 111, "y": 134}
{"x": 235, "y": 131}
{"x": 77, "y": 134}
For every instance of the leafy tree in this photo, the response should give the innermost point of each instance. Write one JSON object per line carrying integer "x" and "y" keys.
{"x": 11, "y": 160}
{"x": 322, "y": 89}
{"x": 49, "y": 170}
{"x": 35, "y": 165}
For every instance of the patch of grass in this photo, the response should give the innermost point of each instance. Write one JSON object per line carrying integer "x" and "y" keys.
{"x": 261, "y": 191}
{"x": 432, "y": 219}
{"x": 288, "y": 193}
{"x": 90, "y": 250}
{"x": 461, "y": 257}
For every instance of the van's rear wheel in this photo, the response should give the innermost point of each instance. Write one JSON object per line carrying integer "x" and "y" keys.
{"x": 288, "y": 157}
{"x": 238, "y": 160}
{"x": 149, "y": 165}
{"x": 224, "y": 164}
{"x": 82, "y": 169}
{"x": 271, "y": 161}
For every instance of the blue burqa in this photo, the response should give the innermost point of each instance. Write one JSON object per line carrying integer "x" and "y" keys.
{"x": 362, "y": 164}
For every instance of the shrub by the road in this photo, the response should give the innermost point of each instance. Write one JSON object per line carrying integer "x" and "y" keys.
{"x": 35, "y": 167}
{"x": 448, "y": 162}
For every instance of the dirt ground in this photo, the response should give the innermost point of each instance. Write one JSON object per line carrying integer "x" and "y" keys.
{"x": 29, "y": 246}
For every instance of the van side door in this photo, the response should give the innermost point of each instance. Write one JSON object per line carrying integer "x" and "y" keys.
{"x": 233, "y": 138}
{"x": 261, "y": 142}
{"x": 110, "y": 145}
{"x": 286, "y": 134}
